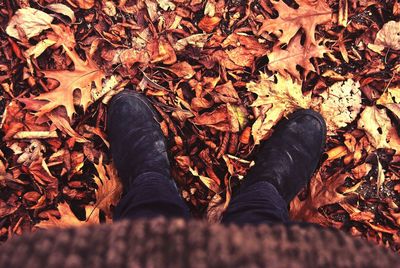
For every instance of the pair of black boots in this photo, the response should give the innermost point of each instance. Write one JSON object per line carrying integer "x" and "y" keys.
{"x": 287, "y": 159}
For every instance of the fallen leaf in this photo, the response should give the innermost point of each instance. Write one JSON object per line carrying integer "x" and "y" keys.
{"x": 341, "y": 104}
{"x": 64, "y": 10}
{"x": 109, "y": 187}
{"x": 389, "y": 35}
{"x": 391, "y": 100}
{"x": 285, "y": 60}
{"x": 81, "y": 78}
{"x": 42, "y": 175}
{"x": 378, "y": 127}
{"x": 275, "y": 100}
{"x": 84, "y": 4}
{"x": 322, "y": 192}
{"x": 208, "y": 24}
{"x": 228, "y": 118}
{"x": 28, "y": 22}
{"x": 307, "y": 16}
{"x": 182, "y": 69}
{"x": 67, "y": 219}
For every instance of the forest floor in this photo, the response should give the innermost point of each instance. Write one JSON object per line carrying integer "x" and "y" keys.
{"x": 221, "y": 73}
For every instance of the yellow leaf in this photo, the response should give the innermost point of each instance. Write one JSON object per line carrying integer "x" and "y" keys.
{"x": 274, "y": 101}
{"x": 379, "y": 129}
{"x": 391, "y": 100}
{"x": 68, "y": 218}
{"x": 29, "y": 22}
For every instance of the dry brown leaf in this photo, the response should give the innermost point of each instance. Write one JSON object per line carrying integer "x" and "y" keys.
{"x": 27, "y": 23}
{"x": 230, "y": 118}
{"x": 42, "y": 175}
{"x": 286, "y": 60}
{"x": 275, "y": 100}
{"x": 307, "y": 16}
{"x": 378, "y": 127}
{"x": 182, "y": 69}
{"x": 341, "y": 104}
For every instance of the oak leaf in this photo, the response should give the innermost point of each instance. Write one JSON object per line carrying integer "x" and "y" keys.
{"x": 85, "y": 73}
{"x": 274, "y": 101}
{"x": 285, "y": 60}
{"x": 309, "y": 14}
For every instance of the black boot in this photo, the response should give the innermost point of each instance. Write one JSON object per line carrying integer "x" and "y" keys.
{"x": 137, "y": 142}
{"x": 290, "y": 156}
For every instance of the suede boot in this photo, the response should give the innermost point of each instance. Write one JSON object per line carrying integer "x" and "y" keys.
{"x": 137, "y": 142}
{"x": 290, "y": 156}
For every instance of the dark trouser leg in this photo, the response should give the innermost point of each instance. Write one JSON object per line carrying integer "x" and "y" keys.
{"x": 151, "y": 195}
{"x": 256, "y": 203}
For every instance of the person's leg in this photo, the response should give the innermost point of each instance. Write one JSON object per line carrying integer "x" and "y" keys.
{"x": 139, "y": 152}
{"x": 284, "y": 165}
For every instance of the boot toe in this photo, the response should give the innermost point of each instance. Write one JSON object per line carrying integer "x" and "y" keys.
{"x": 310, "y": 128}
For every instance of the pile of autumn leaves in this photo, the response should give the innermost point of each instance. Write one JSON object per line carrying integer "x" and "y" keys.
{"x": 51, "y": 112}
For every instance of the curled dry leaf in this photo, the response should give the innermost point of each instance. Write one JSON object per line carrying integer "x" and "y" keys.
{"x": 63, "y": 9}
{"x": 208, "y": 24}
{"x": 274, "y": 101}
{"x": 341, "y": 104}
{"x": 389, "y": 35}
{"x": 28, "y": 22}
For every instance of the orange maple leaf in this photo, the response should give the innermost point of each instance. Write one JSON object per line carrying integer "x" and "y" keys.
{"x": 81, "y": 78}
{"x": 309, "y": 14}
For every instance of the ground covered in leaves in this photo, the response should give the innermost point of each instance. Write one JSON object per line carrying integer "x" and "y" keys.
{"x": 221, "y": 73}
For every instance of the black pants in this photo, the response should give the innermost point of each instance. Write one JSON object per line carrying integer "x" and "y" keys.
{"x": 153, "y": 195}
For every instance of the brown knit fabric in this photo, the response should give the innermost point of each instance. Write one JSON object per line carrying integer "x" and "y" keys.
{"x": 176, "y": 243}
